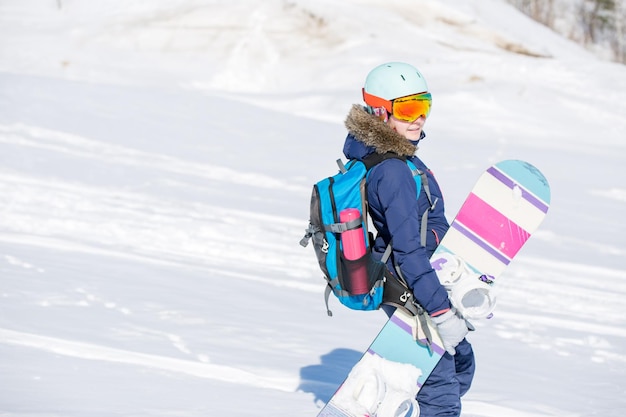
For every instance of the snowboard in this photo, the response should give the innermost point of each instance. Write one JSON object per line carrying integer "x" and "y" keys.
{"x": 506, "y": 205}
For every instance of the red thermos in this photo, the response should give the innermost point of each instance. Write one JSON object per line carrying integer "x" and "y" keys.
{"x": 353, "y": 246}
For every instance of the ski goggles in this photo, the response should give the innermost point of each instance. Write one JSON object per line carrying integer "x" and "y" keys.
{"x": 407, "y": 108}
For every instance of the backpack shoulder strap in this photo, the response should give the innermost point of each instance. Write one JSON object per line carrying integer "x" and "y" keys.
{"x": 431, "y": 203}
{"x": 376, "y": 158}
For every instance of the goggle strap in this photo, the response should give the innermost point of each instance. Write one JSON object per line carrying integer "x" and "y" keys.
{"x": 375, "y": 101}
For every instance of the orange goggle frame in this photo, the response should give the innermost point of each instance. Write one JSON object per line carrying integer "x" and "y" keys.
{"x": 407, "y": 108}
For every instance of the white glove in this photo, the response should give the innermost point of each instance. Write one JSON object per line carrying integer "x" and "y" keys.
{"x": 452, "y": 329}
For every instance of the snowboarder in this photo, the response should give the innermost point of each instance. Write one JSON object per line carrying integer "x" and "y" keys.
{"x": 397, "y": 104}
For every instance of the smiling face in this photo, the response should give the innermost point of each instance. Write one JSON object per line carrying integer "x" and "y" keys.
{"x": 410, "y": 130}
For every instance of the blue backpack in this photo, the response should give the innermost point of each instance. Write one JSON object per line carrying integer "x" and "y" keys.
{"x": 330, "y": 196}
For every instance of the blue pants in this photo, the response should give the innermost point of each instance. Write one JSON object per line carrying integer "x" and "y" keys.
{"x": 441, "y": 394}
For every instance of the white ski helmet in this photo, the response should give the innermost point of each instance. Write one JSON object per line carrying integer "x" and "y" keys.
{"x": 393, "y": 80}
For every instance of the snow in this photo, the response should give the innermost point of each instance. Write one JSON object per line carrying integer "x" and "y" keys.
{"x": 156, "y": 160}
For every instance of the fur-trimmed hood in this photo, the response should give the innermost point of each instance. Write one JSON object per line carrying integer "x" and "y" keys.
{"x": 375, "y": 134}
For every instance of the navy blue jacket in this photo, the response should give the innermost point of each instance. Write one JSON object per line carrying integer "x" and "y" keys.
{"x": 395, "y": 209}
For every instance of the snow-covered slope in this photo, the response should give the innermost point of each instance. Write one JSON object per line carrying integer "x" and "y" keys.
{"x": 156, "y": 159}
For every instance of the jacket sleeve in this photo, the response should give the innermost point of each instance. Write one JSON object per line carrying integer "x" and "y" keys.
{"x": 392, "y": 193}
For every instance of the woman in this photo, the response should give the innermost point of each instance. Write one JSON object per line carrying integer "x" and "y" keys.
{"x": 397, "y": 105}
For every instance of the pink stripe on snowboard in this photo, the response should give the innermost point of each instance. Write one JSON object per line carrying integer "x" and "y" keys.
{"x": 487, "y": 223}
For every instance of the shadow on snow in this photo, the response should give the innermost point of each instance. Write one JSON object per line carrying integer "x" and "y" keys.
{"x": 322, "y": 380}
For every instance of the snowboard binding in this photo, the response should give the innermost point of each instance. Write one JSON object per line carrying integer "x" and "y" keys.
{"x": 472, "y": 294}
{"x": 379, "y": 388}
